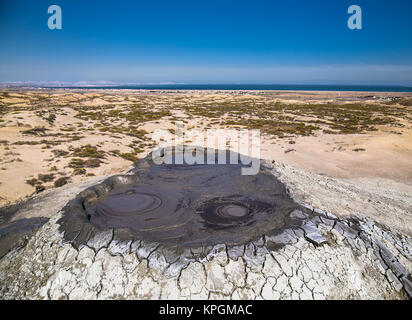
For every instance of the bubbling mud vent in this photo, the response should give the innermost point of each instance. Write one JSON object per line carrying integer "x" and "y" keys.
{"x": 208, "y": 208}
{"x": 167, "y": 231}
{"x": 182, "y": 204}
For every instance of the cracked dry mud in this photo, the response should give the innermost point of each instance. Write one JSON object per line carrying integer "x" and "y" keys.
{"x": 321, "y": 256}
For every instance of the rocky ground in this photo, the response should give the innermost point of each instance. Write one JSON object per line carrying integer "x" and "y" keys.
{"x": 349, "y": 255}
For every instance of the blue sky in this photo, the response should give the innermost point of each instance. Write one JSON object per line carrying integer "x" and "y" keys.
{"x": 294, "y": 41}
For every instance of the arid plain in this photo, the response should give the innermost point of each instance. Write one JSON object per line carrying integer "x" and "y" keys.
{"x": 52, "y": 137}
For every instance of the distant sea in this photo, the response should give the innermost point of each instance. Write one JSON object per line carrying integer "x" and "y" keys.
{"x": 252, "y": 87}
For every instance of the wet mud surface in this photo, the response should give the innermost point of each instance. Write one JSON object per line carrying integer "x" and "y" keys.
{"x": 182, "y": 205}
{"x": 14, "y": 233}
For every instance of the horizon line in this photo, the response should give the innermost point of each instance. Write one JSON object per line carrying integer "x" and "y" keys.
{"x": 103, "y": 83}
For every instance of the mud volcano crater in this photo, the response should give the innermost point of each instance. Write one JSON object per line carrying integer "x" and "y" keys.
{"x": 181, "y": 205}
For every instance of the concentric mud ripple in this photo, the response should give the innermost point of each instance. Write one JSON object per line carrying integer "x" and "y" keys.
{"x": 181, "y": 205}
{"x": 219, "y": 213}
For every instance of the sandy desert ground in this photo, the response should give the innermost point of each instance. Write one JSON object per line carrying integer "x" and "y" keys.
{"x": 52, "y": 137}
